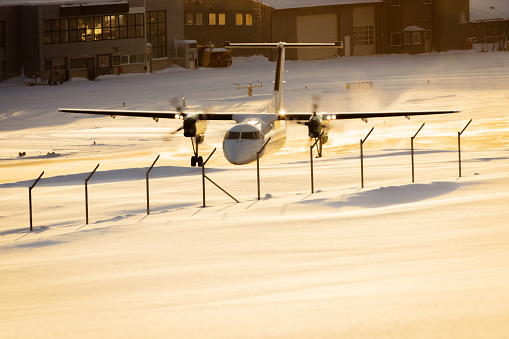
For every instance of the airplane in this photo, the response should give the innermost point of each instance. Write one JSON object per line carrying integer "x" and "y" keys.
{"x": 244, "y": 142}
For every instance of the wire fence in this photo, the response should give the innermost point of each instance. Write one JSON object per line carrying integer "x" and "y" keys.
{"x": 120, "y": 193}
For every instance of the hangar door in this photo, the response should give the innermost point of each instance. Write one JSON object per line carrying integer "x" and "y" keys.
{"x": 364, "y": 30}
{"x": 317, "y": 28}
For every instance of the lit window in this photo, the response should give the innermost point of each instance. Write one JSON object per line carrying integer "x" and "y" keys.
{"x": 239, "y": 19}
{"x": 222, "y": 19}
{"x": 212, "y": 18}
{"x": 249, "y": 20}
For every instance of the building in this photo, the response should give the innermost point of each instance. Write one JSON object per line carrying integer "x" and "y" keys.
{"x": 355, "y": 22}
{"x": 88, "y": 39}
{"x": 215, "y": 21}
{"x": 489, "y": 22}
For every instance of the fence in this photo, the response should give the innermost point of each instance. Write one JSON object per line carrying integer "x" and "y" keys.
{"x": 100, "y": 196}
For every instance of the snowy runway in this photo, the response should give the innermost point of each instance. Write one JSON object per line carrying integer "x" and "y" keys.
{"x": 392, "y": 260}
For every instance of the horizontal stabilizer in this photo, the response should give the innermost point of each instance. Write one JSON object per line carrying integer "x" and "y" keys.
{"x": 337, "y": 44}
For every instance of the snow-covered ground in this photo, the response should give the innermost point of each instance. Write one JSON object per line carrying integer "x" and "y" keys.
{"x": 391, "y": 260}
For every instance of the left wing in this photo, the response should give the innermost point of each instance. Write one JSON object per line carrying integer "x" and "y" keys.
{"x": 149, "y": 114}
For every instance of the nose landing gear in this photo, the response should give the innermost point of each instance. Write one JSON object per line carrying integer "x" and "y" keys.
{"x": 196, "y": 159}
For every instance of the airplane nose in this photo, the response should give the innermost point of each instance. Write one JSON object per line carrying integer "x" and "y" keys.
{"x": 241, "y": 152}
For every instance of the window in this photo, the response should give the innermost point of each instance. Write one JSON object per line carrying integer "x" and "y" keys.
{"x": 395, "y": 2}
{"x": 82, "y": 63}
{"x": 189, "y": 19}
{"x": 395, "y": 39}
{"x": 363, "y": 35}
{"x": 417, "y": 38}
{"x": 124, "y": 59}
{"x": 156, "y": 33}
{"x": 93, "y": 28}
{"x": 48, "y": 64}
{"x": 222, "y": 19}
{"x": 104, "y": 61}
{"x": 233, "y": 135}
{"x": 249, "y": 20}
{"x": 199, "y": 19}
{"x": 239, "y": 19}
{"x": 407, "y": 38}
{"x": 212, "y": 18}
{"x": 251, "y": 135}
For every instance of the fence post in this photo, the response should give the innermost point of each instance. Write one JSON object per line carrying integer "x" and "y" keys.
{"x": 258, "y": 165}
{"x": 146, "y": 177}
{"x": 30, "y": 199}
{"x": 412, "y": 146}
{"x": 311, "y": 162}
{"x": 362, "y": 156}
{"x": 459, "y": 146}
{"x": 86, "y": 193}
{"x": 205, "y": 177}
{"x": 203, "y": 174}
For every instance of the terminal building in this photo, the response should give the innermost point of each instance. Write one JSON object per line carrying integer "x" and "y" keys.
{"x": 89, "y": 38}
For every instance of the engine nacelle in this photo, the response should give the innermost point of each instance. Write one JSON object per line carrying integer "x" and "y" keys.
{"x": 314, "y": 125}
{"x": 194, "y": 126}
{"x": 317, "y": 126}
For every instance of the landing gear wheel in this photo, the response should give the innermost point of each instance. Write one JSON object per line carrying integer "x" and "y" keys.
{"x": 196, "y": 161}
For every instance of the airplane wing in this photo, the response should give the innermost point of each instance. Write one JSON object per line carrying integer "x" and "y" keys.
{"x": 359, "y": 115}
{"x": 230, "y": 116}
{"x": 148, "y": 114}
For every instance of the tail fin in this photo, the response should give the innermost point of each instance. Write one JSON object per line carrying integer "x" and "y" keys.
{"x": 276, "y": 104}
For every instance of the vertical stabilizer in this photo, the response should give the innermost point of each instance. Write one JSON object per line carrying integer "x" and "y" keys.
{"x": 276, "y": 104}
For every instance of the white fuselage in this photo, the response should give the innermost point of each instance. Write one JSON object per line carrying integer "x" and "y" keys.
{"x": 244, "y": 141}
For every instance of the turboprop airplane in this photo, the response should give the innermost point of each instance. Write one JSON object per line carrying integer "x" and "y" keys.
{"x": 245, "y": 140}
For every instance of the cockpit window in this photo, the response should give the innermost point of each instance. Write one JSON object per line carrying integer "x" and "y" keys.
{"x": 233, "y": 135}
{"x": 251, "y": 135}
{"x": 248, "y": 135}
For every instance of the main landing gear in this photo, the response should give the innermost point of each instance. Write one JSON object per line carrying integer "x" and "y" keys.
{"x": 319, "y": 144}
{"x": 195, "y": 159}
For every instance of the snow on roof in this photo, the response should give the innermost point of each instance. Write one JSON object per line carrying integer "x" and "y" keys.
{"x": 413, "y": 29}
{"x": 489, "y": 10}
{"x": 285, "y": 4}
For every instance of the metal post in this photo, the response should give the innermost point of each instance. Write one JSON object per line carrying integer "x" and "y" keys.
{"x": 150, "y": 169}
{"x": 86, "y": 193}
{"x": 311, "y": 162}
{"x": 362, "y": 156}
{"x": 203, "y": 174}
{"x": 258, "y": 165}
{"x": 30, "y": 199}
{"x": 412, "y": 145}
{"x": 459, "y": 146}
